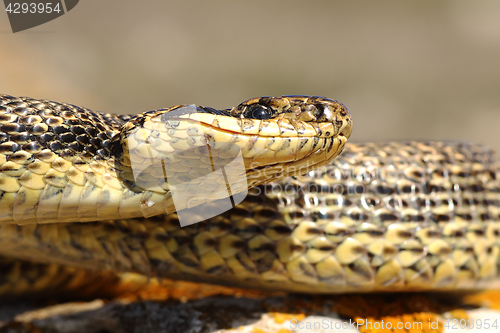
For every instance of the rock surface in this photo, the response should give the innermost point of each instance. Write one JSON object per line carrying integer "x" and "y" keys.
{"x": 247, "y": 313}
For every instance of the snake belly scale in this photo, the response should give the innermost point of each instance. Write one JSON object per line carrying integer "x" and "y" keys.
{"x": 380, "y": 217}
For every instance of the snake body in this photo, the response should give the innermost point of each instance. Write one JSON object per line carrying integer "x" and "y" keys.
{"x": 380, "y": 217}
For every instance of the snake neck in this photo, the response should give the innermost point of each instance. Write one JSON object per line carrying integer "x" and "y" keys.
{"x": 63, "y": 163}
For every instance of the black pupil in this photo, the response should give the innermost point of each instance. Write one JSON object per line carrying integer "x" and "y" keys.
{"x": 259, "y": 112}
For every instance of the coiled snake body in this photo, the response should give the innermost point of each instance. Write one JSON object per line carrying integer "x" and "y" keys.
{"x": 381, "y": 217}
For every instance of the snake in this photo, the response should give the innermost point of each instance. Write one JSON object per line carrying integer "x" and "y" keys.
{"x": 83, "y": 197}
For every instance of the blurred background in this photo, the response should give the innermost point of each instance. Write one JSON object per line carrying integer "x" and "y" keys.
{"x": 405, "y": 69}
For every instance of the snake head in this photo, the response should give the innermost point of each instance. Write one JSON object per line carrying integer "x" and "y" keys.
{"x": 295, "y": 133}
{"x": 204, "y": 153}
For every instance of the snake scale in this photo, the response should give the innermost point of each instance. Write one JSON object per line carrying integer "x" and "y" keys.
{"x": 399, "y": 216}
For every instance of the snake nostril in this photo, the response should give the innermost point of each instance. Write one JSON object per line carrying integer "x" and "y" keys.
{"x": 323, "y": 113}
{"x": 318, "y": 112}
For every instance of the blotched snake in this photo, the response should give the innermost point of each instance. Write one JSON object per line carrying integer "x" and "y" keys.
{"x": 87, "y": 190}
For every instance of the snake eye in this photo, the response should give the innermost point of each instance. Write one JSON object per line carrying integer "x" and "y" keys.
{"x": 258, "y": 112}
